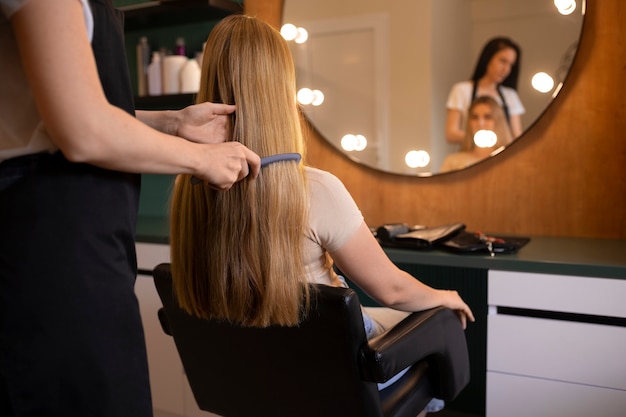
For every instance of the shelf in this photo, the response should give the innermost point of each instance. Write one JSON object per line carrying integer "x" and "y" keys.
{"x": 173, "y": 12}
{"x": 168, "y": 101}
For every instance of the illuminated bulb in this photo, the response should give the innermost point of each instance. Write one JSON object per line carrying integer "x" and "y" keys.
{"x": 302, "y": 35}
{"x": 305, "y": 96}
{"x": 565, "y": 7}
{"x": 349, "y": 142}
{"x": 318, "y": 98}
{"x": 485, "y": 138}
{"x": 542, "y": 82}
{"x": 417, "y": 159}
{"x": 361, "y": 143}
{"x": 289, "y": 31}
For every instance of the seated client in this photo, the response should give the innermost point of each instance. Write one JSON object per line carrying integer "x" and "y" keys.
{"x": 245, "y": 254}
{"x": 484, "y": 114}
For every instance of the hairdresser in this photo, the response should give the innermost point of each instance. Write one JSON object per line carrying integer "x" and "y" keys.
{"x": 71, "y": 151}
{"x": 495, "y": 76}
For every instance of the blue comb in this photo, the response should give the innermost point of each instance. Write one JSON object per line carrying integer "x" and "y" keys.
{"x": 268, "y": 160}
{"x": 280, "y": 157}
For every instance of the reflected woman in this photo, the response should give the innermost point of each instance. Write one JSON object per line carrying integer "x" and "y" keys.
{"x": 495, "y": 76}
{"x": 485, "y": 114}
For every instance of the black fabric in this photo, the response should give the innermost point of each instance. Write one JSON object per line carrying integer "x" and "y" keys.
{"x": 473, "y": 242}
{"x": 108, "y": 39}
{"x": 71, "y": 339}
{"x": 401, "y": 235}
{"x": 320, "y": 368}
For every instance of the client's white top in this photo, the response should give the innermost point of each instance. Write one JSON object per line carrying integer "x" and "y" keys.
{"x": 333, "y": 219}
{"x": 460, "y": 98}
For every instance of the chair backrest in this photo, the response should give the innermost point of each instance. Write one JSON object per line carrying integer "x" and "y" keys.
{"x": 307, "y": 371}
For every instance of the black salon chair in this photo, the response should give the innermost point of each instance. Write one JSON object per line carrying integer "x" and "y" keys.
{"x": 325, "y": 367}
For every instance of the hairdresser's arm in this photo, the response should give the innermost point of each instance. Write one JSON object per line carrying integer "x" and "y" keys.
{"x": 454, "y": 131}
{"x": 515, "y": 121}
{"x": 366, "y": 264}
{"x": 62, "y": 72}
{"x": 202, "y": 123}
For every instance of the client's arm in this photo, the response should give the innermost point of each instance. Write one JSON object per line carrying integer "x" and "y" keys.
{"x": 362, "y": 260}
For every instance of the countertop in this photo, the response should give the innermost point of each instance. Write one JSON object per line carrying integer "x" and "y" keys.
{"x": 543, "y": 254}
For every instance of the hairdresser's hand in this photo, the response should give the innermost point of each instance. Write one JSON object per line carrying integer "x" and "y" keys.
{"x": 453, "y": 300}
{"x": 226, "y": 163}
{"x": 204, "y": 122}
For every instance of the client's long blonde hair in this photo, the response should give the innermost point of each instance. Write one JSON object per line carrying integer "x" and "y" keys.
{"x": 238, "y": 254}
{"x": 502, "y": 129}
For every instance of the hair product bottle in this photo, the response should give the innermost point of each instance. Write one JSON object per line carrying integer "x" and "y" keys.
{"x": 155, "y": 77}
{"x": 190, "y": 77}
{"x": 143, "y": 60}
{"x": 172, "y": 64}
{"x": 180, "y": 47}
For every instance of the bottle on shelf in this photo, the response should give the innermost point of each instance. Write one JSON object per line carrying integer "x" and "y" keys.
{"x": 180, "y": 46}
{"x": 172, "y": 65}
{"x": 143, "y": 60}
{"x": 155, "y": 77}
{"x": 190, "y": 77}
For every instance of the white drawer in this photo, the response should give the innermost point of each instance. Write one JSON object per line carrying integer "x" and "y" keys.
{"x": 559, "y": 350}
{"x": 562, "y": 293}
{"x": 150, "y": 255}
{"x": 517, "y": 396}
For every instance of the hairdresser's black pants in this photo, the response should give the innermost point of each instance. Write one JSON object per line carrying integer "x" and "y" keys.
{"x": 71, "y": 339}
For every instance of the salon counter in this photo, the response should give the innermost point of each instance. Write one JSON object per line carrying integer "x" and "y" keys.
{"x": 559, "y": 270}
{"x": 550, "y": 324}
{"x": 551, "y": 255}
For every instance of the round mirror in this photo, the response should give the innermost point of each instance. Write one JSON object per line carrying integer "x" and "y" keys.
{"x": 374, "y": 76}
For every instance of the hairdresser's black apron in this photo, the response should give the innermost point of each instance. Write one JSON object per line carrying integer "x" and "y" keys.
{"x": 71, "y": 340}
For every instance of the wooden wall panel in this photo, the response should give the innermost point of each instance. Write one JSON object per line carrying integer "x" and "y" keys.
{"x": 565, "y": 177}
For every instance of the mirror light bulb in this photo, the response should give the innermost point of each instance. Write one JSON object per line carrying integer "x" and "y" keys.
{"x": 352, "y": 142}
{"x": 301, "y": 35}
{"x": 361, "y": 143}
{"x": 305, "y": 96}
{"x": 318, "y": 98}
{"x": 542, "y": 82}
{"x": 289, "y": 31}
{"x": 565, "y": 7}
{"x": 348, "y": 142}
{"x": 485, "y": 138}
{"x": 417, "y": 159}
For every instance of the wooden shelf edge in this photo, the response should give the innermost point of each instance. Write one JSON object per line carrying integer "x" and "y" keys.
{"x": 159, "y": 6}
{"x": 170, "y": 101}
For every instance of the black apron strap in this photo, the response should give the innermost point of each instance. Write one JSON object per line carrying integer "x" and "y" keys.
{"x": 505, "y": 107}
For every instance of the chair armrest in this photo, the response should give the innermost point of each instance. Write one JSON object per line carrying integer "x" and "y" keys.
{"x": 434, "y": 335}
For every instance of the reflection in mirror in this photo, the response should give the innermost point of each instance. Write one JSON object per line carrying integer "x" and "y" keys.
{"x": 382, "y": 71}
